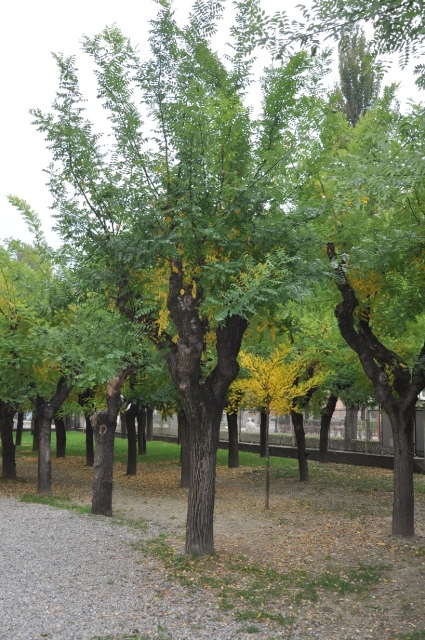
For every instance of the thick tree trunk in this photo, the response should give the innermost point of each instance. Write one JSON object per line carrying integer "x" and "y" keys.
{"x": 183, "y": 434}
{"x": 7, "y": 411}
{"x": 298, "y": 422}
{"x": 403, "y": 497}
{"x": 232, "y": 426}
{"x": 203, "y": 424}
{"x": 141, "y": 431}
{"x": 19, "y": 428}
{"x": 60, "y": 437}
{"x": 131, "y": 440}
{"x": 325, "y": 424}
{"x": 201, "y": 399}
{"x": 396, "y": 387}
{"x": 263, "y": 433}
{"x": 149, "y": 424}
{"x": 104, "y": 425}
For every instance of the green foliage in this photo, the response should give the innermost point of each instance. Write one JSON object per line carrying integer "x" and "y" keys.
{"x": 185, "y": 173}
{"x": 366, "y": 187}
{"x": 398, "y": 25}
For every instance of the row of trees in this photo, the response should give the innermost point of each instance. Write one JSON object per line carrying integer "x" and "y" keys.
{"x": 193, "y": 227}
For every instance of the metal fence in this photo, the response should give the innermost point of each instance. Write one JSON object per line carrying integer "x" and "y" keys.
{"x": 372, "y": 433}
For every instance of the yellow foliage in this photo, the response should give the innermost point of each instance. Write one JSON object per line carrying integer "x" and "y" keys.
{"x": 367, "y": 286}
{"x": 272, "y": 383}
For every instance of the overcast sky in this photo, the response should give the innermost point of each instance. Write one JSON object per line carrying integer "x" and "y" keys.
{"x": 29, "y": 32}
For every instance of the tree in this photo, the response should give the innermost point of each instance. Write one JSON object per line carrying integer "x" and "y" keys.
{"x": 358, "y": 74}
{"x": 172, "y": 226}
{"x": 104, "y": 424}
{"x": 273, "y": 384}
{"x": 398, "y": 26}
{"x": 370, "y": 192}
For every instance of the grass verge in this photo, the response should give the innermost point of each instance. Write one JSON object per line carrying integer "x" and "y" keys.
{"x": 250, "y": 591}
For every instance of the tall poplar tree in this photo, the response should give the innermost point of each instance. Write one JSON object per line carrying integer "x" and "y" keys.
{"x": 358, "y": 74}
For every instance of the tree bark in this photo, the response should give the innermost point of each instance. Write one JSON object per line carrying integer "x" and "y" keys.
{"x": 131, "y": 440}
{"x": 35, "y": 424}
{"x": 123, "y": 422}
{"x": 395, "y": 386}
{"x": 263, "y": 433}
{"x": 232, "y": 426}
{"x": 104, "y": 425}
{"x": 184, "y": 450}
{"x": 7, "y": 411}
{"x": 141, "y": 431}
{"x": 403, "y": 497}
{"x": 202, "y": 400}
{"x": 60, "y": 437}
{"x": 82, "y": 400}
{"x": 19, "y": 428}
{"x": 325, "y": 424}
{"x": 46, "y": 411}
{"x": 298, "y": 422}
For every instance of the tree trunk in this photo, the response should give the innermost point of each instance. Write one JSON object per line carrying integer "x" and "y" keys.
{"x": 298, "y": 422}
{"x": 82, "y": 400}
{"x": 183, "y": 434}
{"x": 402, "y": 424}
{"x": 263, "y": 433}
{"x": 141, "y": 431}
{"x": 149, "y": 424}
{"x": 104, "y": 425}
{"x": 232, "y": 426}
{"x": 203, "y": 424}
{"x": 7, "y": 411}
{"x": 350, "y": 427}
{"x": 89, "y": 442}
{"x": 35, "y": 424}
{"x": 325, "y": 424}
{"x": 267, "y": 456}
{"x": 397, "y": 392}
{"x": 44, "y": 484}
{"x": 19, "y": 428}
{"x": 60, "y": 437}
{"x": 131, "y": 440}
{"x": 123, "y": 423}
{"x": 46, "y": 411}
{"x": 202, "y": 400}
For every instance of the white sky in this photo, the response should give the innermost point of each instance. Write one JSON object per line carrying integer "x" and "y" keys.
{"x": 29, "y": 32}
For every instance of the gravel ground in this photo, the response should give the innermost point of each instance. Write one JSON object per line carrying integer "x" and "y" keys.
{"x": 67, "y": 576}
